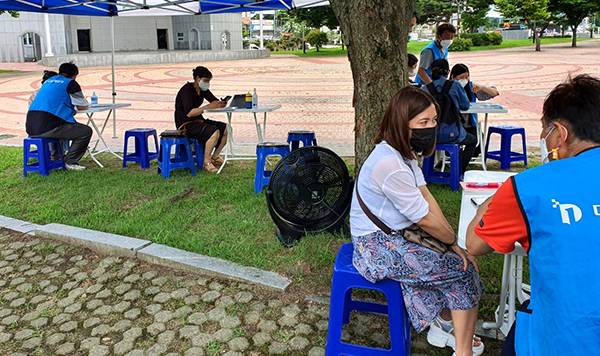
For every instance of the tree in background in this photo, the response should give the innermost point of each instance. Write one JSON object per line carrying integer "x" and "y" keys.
{"x": 575, "y": 11}
{"x": 317, "y": 38}
{"x": 12, "y": 13}
{"x": 435, "y": 10}
{"x": 316, "y": 17}
{"x": 376, "y": 34}
{"x": 527, "y": 11}
{"x": 475, "y": 14}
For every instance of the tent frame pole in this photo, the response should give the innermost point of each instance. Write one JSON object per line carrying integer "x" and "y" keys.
{"x": 112, "y": 64}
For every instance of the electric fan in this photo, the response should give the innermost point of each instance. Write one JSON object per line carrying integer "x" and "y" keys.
{"x": 309, "y": 190}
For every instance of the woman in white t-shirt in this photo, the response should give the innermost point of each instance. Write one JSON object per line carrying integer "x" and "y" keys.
{"x": 436, "y": 287}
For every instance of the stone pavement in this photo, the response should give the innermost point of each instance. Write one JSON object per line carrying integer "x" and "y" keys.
{"x": 315, "y": 93}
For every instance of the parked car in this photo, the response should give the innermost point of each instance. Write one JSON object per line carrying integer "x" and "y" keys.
{"x": 253, "y": 46}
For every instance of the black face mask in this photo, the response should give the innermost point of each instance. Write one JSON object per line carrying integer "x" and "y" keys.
{"x": 423, "y": 139}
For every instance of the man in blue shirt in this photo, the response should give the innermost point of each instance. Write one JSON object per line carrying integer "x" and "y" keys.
{"x": 438, "y": 49}
{"x": 51, "y": 113}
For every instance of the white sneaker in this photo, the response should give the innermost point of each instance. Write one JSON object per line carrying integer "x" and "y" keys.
{"x": 75, "y": 167}
{"x": 439, "y": 337}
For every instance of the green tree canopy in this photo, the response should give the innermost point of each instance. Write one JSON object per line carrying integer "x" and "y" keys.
{"x": 574, "y": 12}
{"x": 316, "y": 17}
{"x": 527, "y": 11}
{"x": 435, "y": 10}
{"x": 317, "y": 38}
{"x": 475, "y": 14}
{"x": 14, "y": 14}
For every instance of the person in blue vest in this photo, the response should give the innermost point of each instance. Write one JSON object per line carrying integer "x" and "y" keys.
{"x": 51, "y": 114}
{"x": 475, "y": 92}
{"x": 438, "y": 49}
{"x": 553, "y": 211}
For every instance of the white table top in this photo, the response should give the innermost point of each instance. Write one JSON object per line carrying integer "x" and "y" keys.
{"x": 259, "y": 108}
{"x": 485, "y": 108}
{"x": 102, "y": 107}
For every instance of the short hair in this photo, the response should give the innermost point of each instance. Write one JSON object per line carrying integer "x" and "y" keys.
{"x": 412, "y": 60}
{"x": 68, "y": 70}
{"x": 439, "y": 68}
{"x": 459, "y": 69}
{"x": 408, "y": 102}
{"x": 47, "y": 75}
{"x": 445, "y": 27}
{"x": 576, "y": 101}
{"x": 201, "y": 72}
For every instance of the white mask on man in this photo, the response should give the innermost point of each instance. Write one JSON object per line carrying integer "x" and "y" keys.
{"x": 463, "y": 82}
{"x": 446, "y": 43}
{"x": 203, "y": 86}
{"x": 412, "y": 74}
{"x": 544, "y": 148}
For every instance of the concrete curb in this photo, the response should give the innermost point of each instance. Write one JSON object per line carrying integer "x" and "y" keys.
{"x": 144, "y": 250}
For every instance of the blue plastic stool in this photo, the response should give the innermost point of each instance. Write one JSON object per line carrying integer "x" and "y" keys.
{"x": 346, "y": 277}
{"x": 198, "y": 152}
{"x": 452, "y": 178}
{"x": 44, "y": 162}
{"x": 142, "y": 154}
{"x": 263, "y": 150}
{"x": 505, "y": 155}
{"x": 307, "y": 137}
{"x": 184, "y": 159}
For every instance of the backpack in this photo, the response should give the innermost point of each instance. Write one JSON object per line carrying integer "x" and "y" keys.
{"x": 450, "y": 128}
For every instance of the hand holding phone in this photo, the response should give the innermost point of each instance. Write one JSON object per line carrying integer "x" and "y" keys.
{"x": 226, "y": 99}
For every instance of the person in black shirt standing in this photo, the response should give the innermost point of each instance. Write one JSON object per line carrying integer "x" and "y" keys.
{"x": 188, "y": 114}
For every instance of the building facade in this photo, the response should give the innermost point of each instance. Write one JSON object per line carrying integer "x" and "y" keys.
{"x": 25, "y": 38}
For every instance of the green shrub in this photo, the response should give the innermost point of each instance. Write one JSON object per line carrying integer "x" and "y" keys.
{"x": 317, "y": 38}
{"x": 483, "y": 39}
{"x": 495, "y": 38}
{"x": 461, "y": 44}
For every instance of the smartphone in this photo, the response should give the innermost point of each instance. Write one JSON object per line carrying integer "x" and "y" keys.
{"x": 226, "y": 98}
{"x": 477, "y": 201}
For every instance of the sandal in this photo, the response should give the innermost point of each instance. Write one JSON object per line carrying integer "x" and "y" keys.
{"x": 209, "y": 167}
{"x": 440, "y": 335}
{"x": 217, "y": 161}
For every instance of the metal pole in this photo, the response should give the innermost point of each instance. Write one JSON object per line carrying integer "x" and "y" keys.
{"x": 48, "y": 39}
{"x": 262, "y": 45}
{"x": 112, "y": 65}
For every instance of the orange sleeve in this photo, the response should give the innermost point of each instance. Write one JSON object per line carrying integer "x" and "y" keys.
{"x": 503, "y": 224}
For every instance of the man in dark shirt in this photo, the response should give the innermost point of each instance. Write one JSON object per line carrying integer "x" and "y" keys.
{"x": 51, "y": 113}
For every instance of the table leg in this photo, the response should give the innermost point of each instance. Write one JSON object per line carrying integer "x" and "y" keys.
{"x": 480, "y": 144}
{"x": 229, "y": 148}
{"x": 264, "y": 126}
{"x": 258, "y": 131}
{"x": 506, "y": 274}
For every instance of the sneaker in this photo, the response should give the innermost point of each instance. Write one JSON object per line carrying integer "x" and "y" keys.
{"x": 75, "y": 167}
{"x": 440, "y": 335}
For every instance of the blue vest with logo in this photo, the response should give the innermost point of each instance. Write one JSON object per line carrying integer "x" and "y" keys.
{"x": 560, "y": 202}
{"x": 437, "y": 54}
{"x": 53, "y": 98}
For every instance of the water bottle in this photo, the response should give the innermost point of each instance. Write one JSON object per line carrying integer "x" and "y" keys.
{"x": 254, "y": 100}
{"x": 248, "y": 101}
{"x": 94, "y": 99}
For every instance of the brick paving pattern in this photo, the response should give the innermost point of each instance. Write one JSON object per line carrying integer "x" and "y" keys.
{"x": 314, "y": 93}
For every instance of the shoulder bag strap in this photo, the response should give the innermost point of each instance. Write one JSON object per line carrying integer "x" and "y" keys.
{"x": 380, "y": 224}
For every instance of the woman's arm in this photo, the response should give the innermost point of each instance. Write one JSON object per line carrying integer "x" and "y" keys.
{"x": 490, "y": 91}
{"x": 435, "y": 222}
{"x": 199, "y": 111}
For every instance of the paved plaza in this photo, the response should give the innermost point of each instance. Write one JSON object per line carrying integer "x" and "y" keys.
{"x": 315, "y": 92}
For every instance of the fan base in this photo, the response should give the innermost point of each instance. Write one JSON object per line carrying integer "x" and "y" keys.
{"x": 288, "y": 240}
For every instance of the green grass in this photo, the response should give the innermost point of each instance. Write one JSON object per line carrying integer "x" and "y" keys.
{"x": 9, "y": 71}
{"x": 221, "y": 217}
{"x": 416, "y": 47}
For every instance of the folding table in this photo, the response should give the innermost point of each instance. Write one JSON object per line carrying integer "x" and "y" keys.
{"x": 90, "y": 111}
{"x": 261, "y": 131}
{"x": 513, "y": 287}
{"x": 483, "y": 108}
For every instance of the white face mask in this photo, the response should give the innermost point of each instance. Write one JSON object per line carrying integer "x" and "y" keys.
{"x": 446, "y": 43}
{"x": 412, "y": 74}
{"x": 463, "y": 82}
{"x": 203, "y": 86}
{"x": 544, "y": 148}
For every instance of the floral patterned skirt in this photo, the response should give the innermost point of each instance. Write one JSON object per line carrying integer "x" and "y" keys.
{"x": 430, "y": 281}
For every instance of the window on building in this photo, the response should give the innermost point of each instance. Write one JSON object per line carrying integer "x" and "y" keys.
{"x": 83, "y": 41}
{"x": 180, "y": 37}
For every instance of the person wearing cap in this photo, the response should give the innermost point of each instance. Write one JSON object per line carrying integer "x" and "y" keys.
{"x": 188, "y": 114}
{"x": 51, "y": 114}
{"x": 437, "y": 49}
{"x": 467, "y": 141}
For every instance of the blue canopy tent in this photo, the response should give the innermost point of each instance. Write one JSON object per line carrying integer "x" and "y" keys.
{"x": 112, "y": 8}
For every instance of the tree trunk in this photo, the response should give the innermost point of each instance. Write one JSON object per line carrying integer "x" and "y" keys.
{"x": 574, "y": 41}
{"x": 376, "y": 33}
{"x": 536, "y": 38}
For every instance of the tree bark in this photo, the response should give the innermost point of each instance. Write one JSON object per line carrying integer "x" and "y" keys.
{"x": 376, "y": 34}
{"x": 574, "y": 40}
{"x": 536, "y": 38}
